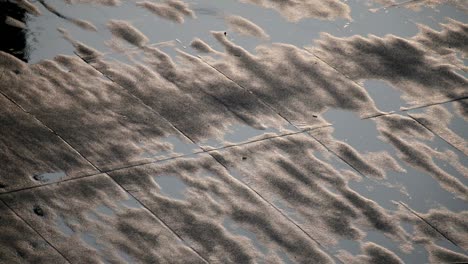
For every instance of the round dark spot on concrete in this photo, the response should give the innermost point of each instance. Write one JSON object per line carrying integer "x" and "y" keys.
{"x": 37, "y": 177}
{"x": 38, "y": 210}
{"x": 244, "y": 158}
{"x": 16, "y": 71}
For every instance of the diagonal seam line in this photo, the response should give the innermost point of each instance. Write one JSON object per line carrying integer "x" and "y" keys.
{"x": 436, "y": 134}
{"x": 35, "y": 231}
{"x": 428, "y": 223}
{"x": 406, "y": 109}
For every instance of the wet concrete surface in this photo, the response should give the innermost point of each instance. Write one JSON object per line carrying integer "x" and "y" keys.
{"x": 233, "y": 131}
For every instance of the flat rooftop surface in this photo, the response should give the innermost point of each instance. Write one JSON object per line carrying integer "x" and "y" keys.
{"x": 234, "y": 131}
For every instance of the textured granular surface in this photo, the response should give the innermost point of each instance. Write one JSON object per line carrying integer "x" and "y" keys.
{"x": 236, "y": 131}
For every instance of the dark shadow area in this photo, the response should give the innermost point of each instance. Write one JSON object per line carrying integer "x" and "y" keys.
{"x": 13, "y": 37}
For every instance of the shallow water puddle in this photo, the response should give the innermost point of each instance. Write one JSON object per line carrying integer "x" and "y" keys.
{"x": 386, "y": 97}
{"x": 50, "y": 177}
{"x": 171, "y": 186}
{"x": 64, "y": 227}
{"x": 235, "y": 228}
{"x": 178, "y": 147}
{"x": 237, "y": 134}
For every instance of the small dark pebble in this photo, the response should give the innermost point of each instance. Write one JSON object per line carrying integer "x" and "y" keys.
{"x": 16, "y": 72}
{"x": 244, "y": 158}
{"x": 2, "y": 185}
{"x": 38, "y": 210}
{"x": 225, "y": 34}
{"x": 315, "y": 116}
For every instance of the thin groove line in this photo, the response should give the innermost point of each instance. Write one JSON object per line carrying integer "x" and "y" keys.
{"x": 428, "y": 223}
{"x": 432, "y": 104}
{"x": 436, "y": 134}
{"x": 338, "y": 156}
{"x": 35, "y": 231}
{"x": 267, "y": 138}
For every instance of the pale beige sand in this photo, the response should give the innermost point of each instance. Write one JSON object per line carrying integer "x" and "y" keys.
{"x": 245, "y": 27}
{"x": 418, "y": 4}
{"x": 124, "y": 30}
{"x": 295, "y": 10}
{"x": 14, "y": 22}
{"x": 174, "y": 10}
{"x": 98, "y": 2}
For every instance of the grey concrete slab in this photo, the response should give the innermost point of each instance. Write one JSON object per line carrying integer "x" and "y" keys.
{"x": 93, "y": 220}
{"x": 95, "y": 116}
{"x": 32, "y": 154}
{"x": 446, "y": 120}
{"x": 20, "y": 244}
{"x": 216, "y": 214}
